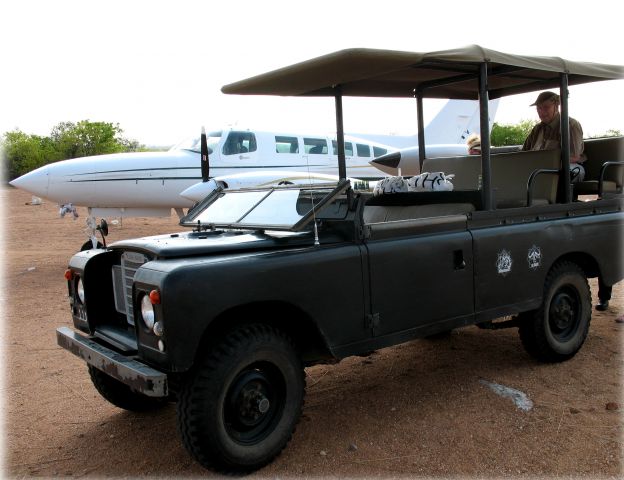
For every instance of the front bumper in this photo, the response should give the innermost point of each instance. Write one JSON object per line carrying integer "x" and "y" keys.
{"x": 134, "y": 374}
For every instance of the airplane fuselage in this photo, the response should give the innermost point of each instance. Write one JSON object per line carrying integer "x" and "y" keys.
{"x": 146, "y": 179}
{"x": 153, "y": 180}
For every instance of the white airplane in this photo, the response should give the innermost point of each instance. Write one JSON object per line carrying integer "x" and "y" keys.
{"x": 200, "y": 190}
{"x": 454, "y": 123}
{"x": 151, "y": 183}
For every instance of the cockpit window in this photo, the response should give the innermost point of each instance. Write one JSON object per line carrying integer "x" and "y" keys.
{"x": 239, "y": 142}
{"x": 193, "y": 144}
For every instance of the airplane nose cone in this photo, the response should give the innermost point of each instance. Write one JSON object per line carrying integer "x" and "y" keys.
{"x": 389, "y": 160}
{"x": 35, "y": 182}
{"x": 388, "y": 163}
{"x": 404, "y": 162}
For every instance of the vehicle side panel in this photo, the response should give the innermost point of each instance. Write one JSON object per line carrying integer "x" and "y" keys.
{"x": 325, "y": 283}
{"x": 609, "y": 251}
{"x": 420, "y": 279}
{"x": 511, "y": 261}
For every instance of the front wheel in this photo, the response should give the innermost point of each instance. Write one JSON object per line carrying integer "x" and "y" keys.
{"x": 557, "y": 330}
{"x": 240, "y": 408}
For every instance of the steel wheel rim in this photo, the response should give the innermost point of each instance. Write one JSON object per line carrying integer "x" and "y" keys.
{"x": 254, "y": 403}
{"x": 564, "y": 314}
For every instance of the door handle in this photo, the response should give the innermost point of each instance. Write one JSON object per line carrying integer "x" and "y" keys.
{"x": 459, "y": 263}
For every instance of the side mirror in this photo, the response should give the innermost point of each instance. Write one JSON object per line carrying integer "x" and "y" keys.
{"x": 103, "y": 227}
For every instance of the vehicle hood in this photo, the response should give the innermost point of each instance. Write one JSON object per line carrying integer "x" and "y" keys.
{"x": 185, "y": 244}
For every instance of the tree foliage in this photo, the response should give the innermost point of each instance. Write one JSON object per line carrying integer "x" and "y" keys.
{"x": 612, "y": 132}
{"x": 504, "y": 135}
{"x": 23, "y": 152}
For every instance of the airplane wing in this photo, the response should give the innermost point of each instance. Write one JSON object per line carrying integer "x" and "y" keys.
{"x": 200, "y": 190}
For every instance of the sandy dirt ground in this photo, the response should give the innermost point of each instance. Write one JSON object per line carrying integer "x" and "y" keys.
{"x": 419, "y": 409}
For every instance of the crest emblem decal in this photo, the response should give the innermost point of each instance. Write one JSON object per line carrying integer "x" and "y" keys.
{"x": 504, "y": 262}
{"x": 534, "y": 257}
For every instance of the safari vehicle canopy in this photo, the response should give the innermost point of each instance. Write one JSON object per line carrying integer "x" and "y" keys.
{"x": 469, "y": 73}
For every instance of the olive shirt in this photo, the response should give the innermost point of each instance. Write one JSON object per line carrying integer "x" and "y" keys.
{"x": 547, "y": 136}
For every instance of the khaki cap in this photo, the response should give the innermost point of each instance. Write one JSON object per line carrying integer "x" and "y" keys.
{"x": 545, "y": 96}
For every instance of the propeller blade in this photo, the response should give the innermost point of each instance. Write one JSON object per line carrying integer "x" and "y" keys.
{"x": 205, "y": 164}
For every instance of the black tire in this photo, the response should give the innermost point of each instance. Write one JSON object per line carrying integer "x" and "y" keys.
{"x": 557, "y": 330}
{"x": 241, "y": 407}
{"x": 122, "y": 396}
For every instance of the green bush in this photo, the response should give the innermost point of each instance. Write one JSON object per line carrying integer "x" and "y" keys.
{"x": 22, "y": 152}
{"x": 505, "y": 135}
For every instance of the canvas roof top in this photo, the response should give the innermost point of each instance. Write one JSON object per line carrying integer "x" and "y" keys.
{"x": 442, "y": 74}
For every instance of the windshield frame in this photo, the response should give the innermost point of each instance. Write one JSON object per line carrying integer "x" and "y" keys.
{"x": 191, "y": 218}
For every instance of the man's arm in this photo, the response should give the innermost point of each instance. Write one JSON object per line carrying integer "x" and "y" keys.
{"x": 576, "y": 142}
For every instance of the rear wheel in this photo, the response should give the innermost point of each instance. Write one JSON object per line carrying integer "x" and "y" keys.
{"x": 122, "y": 396}
{"x": 557, "y": 330}
{"x": 241, "y": 407}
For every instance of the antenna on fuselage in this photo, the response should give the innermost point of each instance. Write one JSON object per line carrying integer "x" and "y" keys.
{"x": 205, "y": 164}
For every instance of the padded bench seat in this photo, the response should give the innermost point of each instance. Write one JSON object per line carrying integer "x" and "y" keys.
{"x": 510, "y": 175}
{"x": 599, "y": 151}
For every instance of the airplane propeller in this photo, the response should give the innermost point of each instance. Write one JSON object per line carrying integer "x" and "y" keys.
{"x": 205, "y": 164}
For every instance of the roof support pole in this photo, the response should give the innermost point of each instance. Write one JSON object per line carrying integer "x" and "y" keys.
{"x": 342, "y": 164}
{"x": 421, "y": 127}
{"x": 565, "y": 139}
{"x": 484, "y": 119}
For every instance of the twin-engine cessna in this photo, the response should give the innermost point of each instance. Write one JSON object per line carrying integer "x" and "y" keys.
{"x": 148, "y": 184}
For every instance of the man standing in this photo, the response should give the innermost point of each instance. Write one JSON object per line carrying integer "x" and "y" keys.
{"x": 546, "y": 135}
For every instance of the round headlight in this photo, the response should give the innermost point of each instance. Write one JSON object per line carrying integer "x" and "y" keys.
{"x": 147, "y": 311}
{"x": 80, "y": 291}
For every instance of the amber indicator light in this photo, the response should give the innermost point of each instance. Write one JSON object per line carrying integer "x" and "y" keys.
{"x": 154, "y": 297}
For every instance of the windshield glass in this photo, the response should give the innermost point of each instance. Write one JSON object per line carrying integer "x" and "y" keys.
{"x": 279, "y": 208}
{"x": 193, "y": 143}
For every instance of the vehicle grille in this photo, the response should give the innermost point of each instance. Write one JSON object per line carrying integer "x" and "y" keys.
{"x": 123, "y": 278}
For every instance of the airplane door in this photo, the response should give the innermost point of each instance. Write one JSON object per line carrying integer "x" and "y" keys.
{"x": 424, "y": 276}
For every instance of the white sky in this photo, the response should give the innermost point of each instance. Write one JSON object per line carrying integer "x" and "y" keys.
{"x": 157, "y": 67}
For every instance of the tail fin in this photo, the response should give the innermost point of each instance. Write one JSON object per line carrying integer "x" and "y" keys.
{"x": 455, "y": 121}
